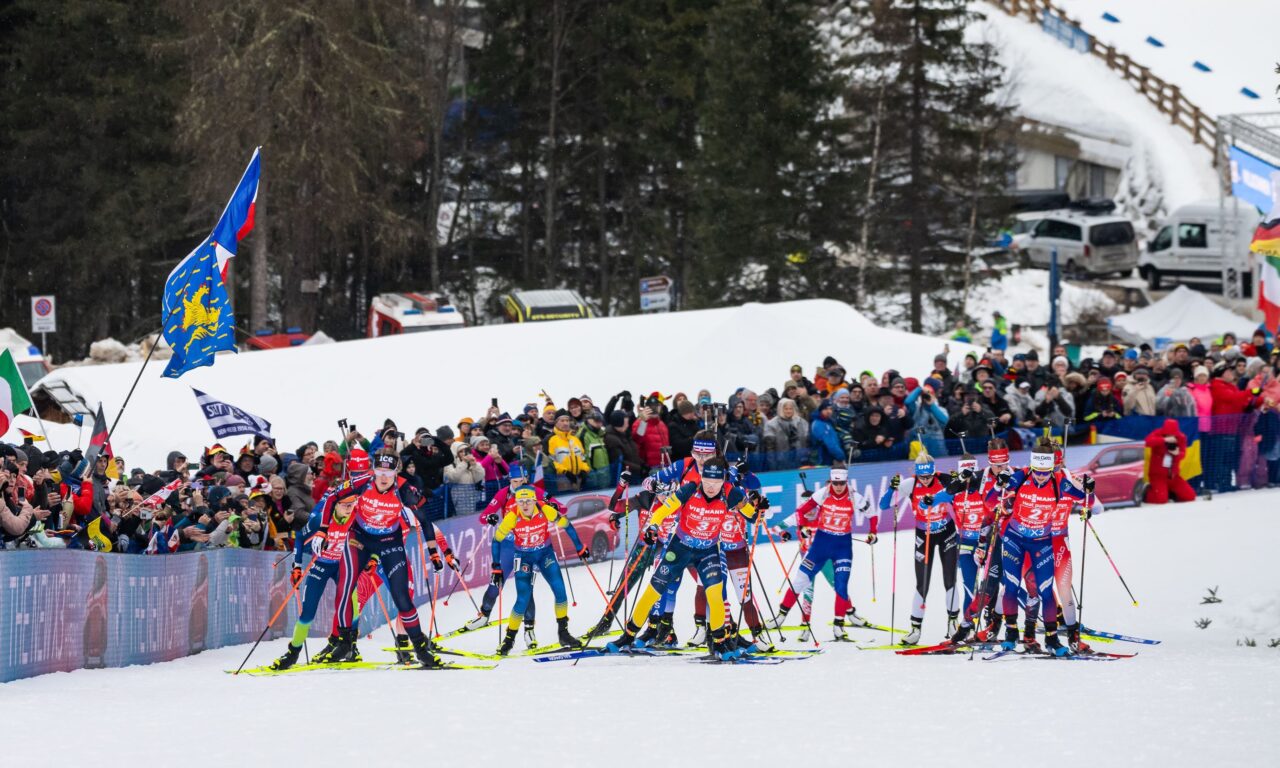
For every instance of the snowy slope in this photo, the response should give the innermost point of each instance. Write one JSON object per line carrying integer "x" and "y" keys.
{"x": 1234, "y": 38}
{"x": 1196, "y": 699}
{"x": 436, "y": 378}
{"x": 1054, "y": 84}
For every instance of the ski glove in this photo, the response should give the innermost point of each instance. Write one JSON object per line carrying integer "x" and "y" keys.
{"x": 650, "y": 534}
{"x": 625, "y": 477}
{"x": 895, "y": 481}
{"x": 451, "y": 560}
{"x": 491, "y": 518}
{"x": 436, "y": 562}
{"x": 1087, "y": 483}
{"x": 614, "y": 518}
{"x": 1002, "y": 480}
{"x": 926, "y": 500}
{"x": 871, "y": 538}
{"x": 585, "y": 554}
{"x": 317, "y": 543}
{"x": 980, "y": 555}
{"x": 495, "y": 576}
{"x": 785, "y": 536}
{"x": 295, "y": 576}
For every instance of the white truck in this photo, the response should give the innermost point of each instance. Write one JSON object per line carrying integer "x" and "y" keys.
{"x": 412, "y": 312}
{"x": 1195, "y": 241}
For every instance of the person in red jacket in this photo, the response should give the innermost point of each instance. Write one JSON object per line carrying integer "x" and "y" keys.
{"x": 1222, "y": 446}
{"x": 650, "y": 433}
{"x": 1167, "y": 447}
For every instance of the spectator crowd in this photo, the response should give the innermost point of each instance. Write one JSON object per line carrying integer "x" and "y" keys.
{"x": 260, "y": 496}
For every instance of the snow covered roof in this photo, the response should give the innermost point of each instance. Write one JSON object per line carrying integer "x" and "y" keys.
{"x": 1177, "y": 317}
{"x": 435, "y": 378}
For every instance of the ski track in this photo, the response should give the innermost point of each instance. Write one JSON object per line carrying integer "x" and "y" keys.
{"x": 1197, "y": 697}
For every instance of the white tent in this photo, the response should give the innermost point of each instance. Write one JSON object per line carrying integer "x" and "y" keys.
{"x": 429, "y": 379}
{"x": 1177, "y": 317}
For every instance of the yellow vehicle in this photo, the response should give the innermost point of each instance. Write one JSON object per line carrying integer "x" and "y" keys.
{"x": 537, "y": 306}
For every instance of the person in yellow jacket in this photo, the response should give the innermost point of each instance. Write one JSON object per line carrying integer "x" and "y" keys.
{"x": 567, "y": 455}
{"x": 703, "y": 508}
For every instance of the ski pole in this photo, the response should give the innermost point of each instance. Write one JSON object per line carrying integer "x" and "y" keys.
{"x": 768, "y": 603}
{"x": 592, "y": 574}
{"x": 1084, "y": 554}
{"x": 787, "y": 572}
{"x": 465, "y": 589}
{"x": 873, "y": 573}
{"x": 790, "y": 586}
{"x": 569, "y": 579}
{"x": 276, "y": 615}
{"x": 746, "y": 589}
{"x": 452, "y": 590}
{"x": 431, "y": 625}
{"x": 1089, "y": 525}
{"x": 378, "y": 594}
{"x": 297, "y": 598}
{"x": 893, "y": 576}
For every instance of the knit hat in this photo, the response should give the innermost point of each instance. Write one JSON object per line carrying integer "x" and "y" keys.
{"x": 685, "y": 408}
{"x": 478, "y": 439}
{"x": 1104, "y": 381}
{"x": 1061, "y": 359}
{"x": 617, "y": 419}
{"x": 1199, "y": 370}
{"x": 444, "y": 432}
{"x": 268, "y": 465}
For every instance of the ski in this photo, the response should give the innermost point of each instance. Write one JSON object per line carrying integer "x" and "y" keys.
{"x": 463, "y": 630}
{"x": 589, "y": 653}
{"x": 1113, "y": 636}
{"x": 892, "y": 647}
{"x": 868, "y": 625}
{"x": 494, "y": 656}
{"x": 738, "y": 660}
{"x": 1001, "y": 654}
{"x": 355, "y": 665}
{"x": 945, "y": 648}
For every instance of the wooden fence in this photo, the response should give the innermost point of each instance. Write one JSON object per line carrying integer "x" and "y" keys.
{"x": 1166, "y": 97}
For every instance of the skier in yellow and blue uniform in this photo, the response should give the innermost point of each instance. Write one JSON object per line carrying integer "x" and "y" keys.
{"x": 529, "y": 524}
{"x": 703, "y": 508}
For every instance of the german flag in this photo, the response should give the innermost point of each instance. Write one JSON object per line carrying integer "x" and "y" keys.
{"x": 1266, "y": 243}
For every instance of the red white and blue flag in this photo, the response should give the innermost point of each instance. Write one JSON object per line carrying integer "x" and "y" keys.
{"x": 197, "y": 314}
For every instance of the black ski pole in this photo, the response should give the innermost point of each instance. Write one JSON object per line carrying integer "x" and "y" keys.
{"x": 276, "y": 615}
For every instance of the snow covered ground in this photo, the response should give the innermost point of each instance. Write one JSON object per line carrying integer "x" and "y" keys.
{"x": 1059, "y": 86}
{"x": 1234, "y": 38}
{"x": 1198, "y": 698}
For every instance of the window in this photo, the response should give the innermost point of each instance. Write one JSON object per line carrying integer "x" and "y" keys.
{"x": 1192, "y": 236}
{"x": 1097, "y": 181}
{"x": 1062, "y": 172}
{"x": 1130, "y": 455}
{"x": 1059, "y": 229}
{"x": 1163, "y": 241}
{"x": 1112, "y": 233}
{"x": 587, "y": 507}
{"x": 1107, "y": 459}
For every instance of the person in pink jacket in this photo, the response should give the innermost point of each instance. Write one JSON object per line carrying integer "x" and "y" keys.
{"x": 1203, "y": 395}
{"x": 495, "y": 468}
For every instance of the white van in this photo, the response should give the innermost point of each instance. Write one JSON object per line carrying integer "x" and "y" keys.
{"x": 1193, "y": 241}
{"x": 1086, "y": 245}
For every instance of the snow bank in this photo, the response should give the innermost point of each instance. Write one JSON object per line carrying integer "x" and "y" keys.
{"x": 1234, "y": 38}
{"x": 1196, "y": 699}
{"x": 430, "y": 379}
{"x": 1054, "y": 84}
{"x": 1023, "y": 298}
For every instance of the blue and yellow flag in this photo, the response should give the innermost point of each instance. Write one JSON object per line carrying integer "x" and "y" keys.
{"x": 198, "y": 321}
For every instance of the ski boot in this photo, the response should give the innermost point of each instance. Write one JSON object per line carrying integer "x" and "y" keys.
{"x": 627, "y": 641}
{"x": 852, "y": 618}
{"x": 1010, "y": 637}
{"x": 1074, "y": 642}
{"x": 721, "y": 647}
{"x": 662, "y": 633}
{"x": 289, "y": 658}
{"x": 952, "y": 623}
{"x": 650, "y": 633}
{"x": 508, "y": 642}
{"x": 478, "y": 622}
{"x": 603, "y": 625}
{"x": 567, "y": 640}
{"x": 1029, "y": 642}
{"x": 530, "y": 639}
{"x": 777, "y": 621}
{"x": 760, "y": 642}
{"x": 991, "y": 631}
{"x": 961, "y": 633}
{"x": 912, "y": 637}
{"x": 422, "y": 651}
{"x": 1051, "y": 642}
{"x": 838, "y": 633}
{"x": 404, "y": 650}
{"x": 699, "y": 633}
{"x": 323, "y": 656}
{"x": 345, "y": 649}
{"x": 806, "y": 634}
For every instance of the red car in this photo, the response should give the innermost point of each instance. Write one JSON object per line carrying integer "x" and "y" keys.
{"x": 1117, "y": 473}
{"x": 589, "y": 516}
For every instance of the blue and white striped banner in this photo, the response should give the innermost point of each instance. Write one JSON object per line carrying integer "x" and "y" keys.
{"x": 226, "y": 420}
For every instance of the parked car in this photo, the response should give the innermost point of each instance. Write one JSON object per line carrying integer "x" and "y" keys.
{"x": 1086, "y": 245}
{"x": 589, "y": 516}
{"x": 1117, "y": 473}
{"x": 1195, "y": 241}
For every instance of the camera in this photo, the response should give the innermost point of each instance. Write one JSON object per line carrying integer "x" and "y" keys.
{"x": 145, "y": 514}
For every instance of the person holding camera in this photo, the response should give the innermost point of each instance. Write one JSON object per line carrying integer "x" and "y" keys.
{"x": 1166, "y": 448}
{"x": 929, "y": 416}
{"x": 1102, "y": 404}
{"x": 650, "y": 433}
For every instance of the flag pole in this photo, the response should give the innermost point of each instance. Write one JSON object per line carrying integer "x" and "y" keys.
{"x": 147, "y": 359}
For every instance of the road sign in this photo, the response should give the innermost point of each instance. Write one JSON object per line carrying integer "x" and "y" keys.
{"x": 44, "y": 314}
{"x": 655, "y": 294}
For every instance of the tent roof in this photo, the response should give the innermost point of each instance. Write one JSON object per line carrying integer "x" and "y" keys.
{"x": 1182, "y": 314}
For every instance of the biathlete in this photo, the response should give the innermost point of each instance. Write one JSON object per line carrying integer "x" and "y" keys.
{"x": 1036, "y": 494}
{"x": 974, "y": 522}
{"x": 703, "y": 508}
{"x": 529, "y": 526}
{"x": 377, "y": 530}
{"x": 831, "y": 511}
{"x": 935, "y": 531}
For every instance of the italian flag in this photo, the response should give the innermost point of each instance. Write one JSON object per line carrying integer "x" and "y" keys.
{"x": 1266, "y": 243}
{"x": 13, "y": 392}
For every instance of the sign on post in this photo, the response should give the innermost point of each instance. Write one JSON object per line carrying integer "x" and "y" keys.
{"x": 44, "y": 314}
{"x": 655, "y": 294}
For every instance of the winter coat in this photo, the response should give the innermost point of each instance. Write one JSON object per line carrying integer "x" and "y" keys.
{"x": 1203, "y": 396}
{"x": 593, "y": 446}
{"x": 622, "y": 447}
{"x": 865, "y": 433}
{"x": 682, "y": 431}
{"x": 494, "y": 469}
{"x": 1176, "y": 402}
{"x": 299, "y": 495}
{"x": 1228, "y": 400}
{"x": 1022, "y": 406}
{"x": 651, "y": 437}
{"x": 1140, "y": 398}
{"x": 930, "y": 420}
{"x": 825, "y": 441}
{"x": 1158, "y": 449}
{"x": 785, "y": 435}
{"x": 463, "y": 472}
{"x": 430, "y": 466}
{"x": 567, "y": 455}
{"x": 968, "y": 423}
{"x": 1097, "y": 402}
{"x": 1056, "y": 411}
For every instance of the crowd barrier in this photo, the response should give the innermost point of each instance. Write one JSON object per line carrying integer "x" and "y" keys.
{"x": 62, "y": 610}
